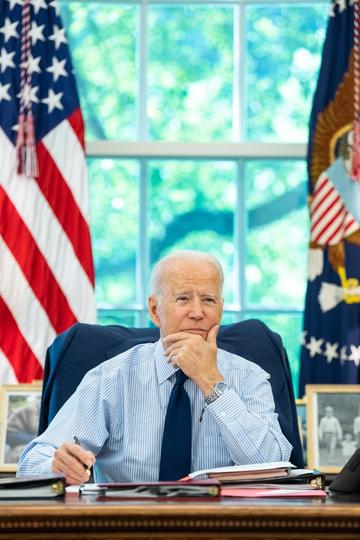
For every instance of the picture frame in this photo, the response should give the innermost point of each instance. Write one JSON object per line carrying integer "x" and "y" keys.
{"x": 19, "y": 420}
{"x": 333, "y": 429}
{"x": 302, "y": 425}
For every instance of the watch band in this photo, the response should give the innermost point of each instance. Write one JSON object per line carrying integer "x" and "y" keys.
{"x": 218, "y": 390}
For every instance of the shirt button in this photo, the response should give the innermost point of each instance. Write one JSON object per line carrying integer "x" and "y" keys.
{"x": 223, "y": 414}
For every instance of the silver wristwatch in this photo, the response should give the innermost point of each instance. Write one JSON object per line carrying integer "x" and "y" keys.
{"x": 219, "y": 389}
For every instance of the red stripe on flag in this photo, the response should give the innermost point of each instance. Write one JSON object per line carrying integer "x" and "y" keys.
{"x": 334, "y": 234}
{"x": 77, "y": 123}
{"x": 350, "y": 224}
{"x": 320, "y": 198}
{"x": 65, "y": 208}
{"x": 327, "y": 226}
{"x": 325, "y": 210}
{"x": 319, "y": 185}
{"x": 24, "y": 362}
{"x": 34, "y": 266}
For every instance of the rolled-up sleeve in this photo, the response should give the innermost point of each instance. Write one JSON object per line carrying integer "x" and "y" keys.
{"x": 246, "y": 419}
{"x": 85, "y": 414}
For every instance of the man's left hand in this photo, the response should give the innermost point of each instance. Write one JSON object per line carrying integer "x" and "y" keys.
{"x": 195, "y": 356}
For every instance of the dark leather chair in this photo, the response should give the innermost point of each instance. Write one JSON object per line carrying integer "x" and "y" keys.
{"x": 84, "y": 346}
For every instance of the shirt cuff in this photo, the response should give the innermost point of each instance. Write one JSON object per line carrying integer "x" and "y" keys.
{"x": 226, "y": 407}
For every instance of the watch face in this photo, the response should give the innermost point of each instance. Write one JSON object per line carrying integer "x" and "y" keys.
{"x": 221, "y": 387}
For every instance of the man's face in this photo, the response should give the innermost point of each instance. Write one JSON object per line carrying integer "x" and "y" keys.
{"x": 190, "y": 299}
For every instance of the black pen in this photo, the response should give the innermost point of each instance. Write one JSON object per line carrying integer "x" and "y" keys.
{"x": 76, "y": 441}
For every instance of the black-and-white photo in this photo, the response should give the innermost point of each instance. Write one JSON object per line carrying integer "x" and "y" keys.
{"x": 20, "y": 420}
{"x": 334, "y": 426}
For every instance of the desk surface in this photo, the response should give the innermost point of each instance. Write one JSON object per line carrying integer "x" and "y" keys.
{"x": 335, "y": 517}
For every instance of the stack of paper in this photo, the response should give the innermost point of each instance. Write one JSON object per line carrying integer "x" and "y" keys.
{"x": 252, "y": 472}
{"x": 244, "y": 480}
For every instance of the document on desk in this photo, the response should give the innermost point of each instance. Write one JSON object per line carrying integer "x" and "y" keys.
{"x": 33, "y": 487}
{"x": 207, "y": 489}
{"x": 250, "y": 472}
{"x": 269, "y": 490}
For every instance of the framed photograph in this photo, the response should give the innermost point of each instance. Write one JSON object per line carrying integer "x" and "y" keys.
{"x": 20, "y": 409}
{"x": 333, "y": 430}
{"x": 302, "y": 425}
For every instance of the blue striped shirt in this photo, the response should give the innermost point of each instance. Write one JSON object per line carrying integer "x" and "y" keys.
{"x": 118, "y": 412}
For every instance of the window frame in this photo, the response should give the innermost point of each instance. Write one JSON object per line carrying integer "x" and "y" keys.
{"x": 238, "y": 151}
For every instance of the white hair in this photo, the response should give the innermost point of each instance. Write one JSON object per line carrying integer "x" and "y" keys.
{"x": 156, "y": 280}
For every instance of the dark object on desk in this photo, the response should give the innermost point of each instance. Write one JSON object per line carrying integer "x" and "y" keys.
{"x": 348, "y": 479}
{"x": 153, "y": 490}
{"x": 312, "y": 477}
{"x": 74, "y": 352}
{"x": 33, "y": 487}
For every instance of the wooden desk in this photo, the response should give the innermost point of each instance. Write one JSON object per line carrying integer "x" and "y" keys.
{"x": 229, "y": 519}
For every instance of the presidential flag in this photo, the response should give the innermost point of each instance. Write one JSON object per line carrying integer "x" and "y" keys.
{"x": 46, "y": 266}
{"x": 330, "y": 351}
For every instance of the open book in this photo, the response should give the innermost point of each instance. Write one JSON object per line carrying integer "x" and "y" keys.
{"x": 252, "y": 472}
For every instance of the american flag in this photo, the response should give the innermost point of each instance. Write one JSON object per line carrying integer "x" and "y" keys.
{"x": 46, "y": 266}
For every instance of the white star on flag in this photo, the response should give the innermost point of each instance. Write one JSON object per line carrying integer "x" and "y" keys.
{"x": 13, "y": 3}
{"x": 33, "y": 64}
{"x": 58, "y": 37}
{"x": 30, "y": 94}
{"x": 57, "y": 68}
{"x": 314, "y": 346}
{"x": 4, "y": 94}
{"x": 53, "y": 100}
{"x": 6, "y": 60}
{"x": 330, "y": 351}
{"x": 341, "y": 4}
{"x": 36, "y": 32}
{"x": 355, "y": 354}
{"x": 55, "y": 5}
{"x": 9, "y": 29}
{"x": 303, "y": 338}
{"x": 38, "y": 4}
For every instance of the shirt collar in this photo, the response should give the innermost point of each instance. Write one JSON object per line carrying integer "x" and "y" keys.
{"x": 163, "y": 369}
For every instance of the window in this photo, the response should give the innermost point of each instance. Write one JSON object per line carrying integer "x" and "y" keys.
{"x": 196, "y": 116}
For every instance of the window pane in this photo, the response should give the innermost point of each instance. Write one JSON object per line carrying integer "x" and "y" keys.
{"x": 278, "y": 233}
{"x": 114, "y": 226}
{"x": 190, "y": 72}
{"x": 230, "y": 317}
{"x": 192, "y": 207}
{"x": 113, "y": 316}
{"x": 102, "y": 41}
{"x": 289, "y": 326}
{"x": 284, "y": 45}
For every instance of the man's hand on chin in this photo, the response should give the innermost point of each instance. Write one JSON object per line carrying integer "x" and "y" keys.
{"x": 195, "y": 355}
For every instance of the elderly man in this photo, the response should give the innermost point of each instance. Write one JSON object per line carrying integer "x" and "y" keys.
{"x": 159, "y": 411}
